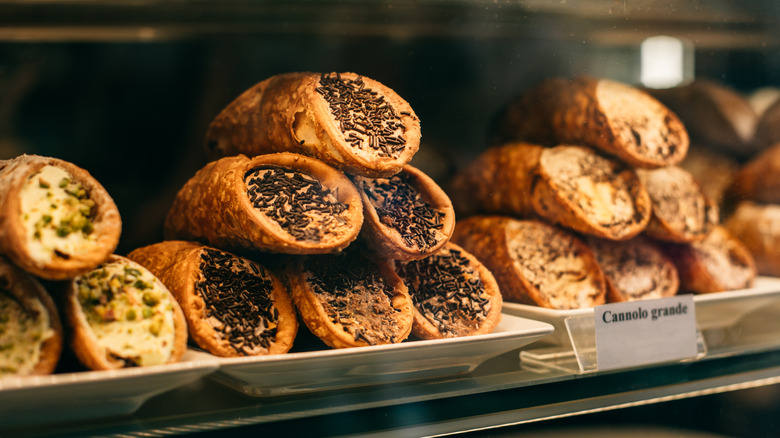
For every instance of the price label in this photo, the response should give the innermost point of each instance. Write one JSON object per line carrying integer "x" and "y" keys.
{"x": 645, "y": 332}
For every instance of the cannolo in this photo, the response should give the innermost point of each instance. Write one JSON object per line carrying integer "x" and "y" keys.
{"x": 453, "y": 294}
{"x": 757, "y": 226}
{"x": 31, "y": 334}
{"x": 610, "y": 116}
{"x": 634, "y": 269}
{"x": 233, "y": 306}
{"x": 681, "y": 210}
{"x": 120, "y": 315}
{"x": 713, "y": 114}
{"x": 351, "y": 299}
{"x": 768, "y": 129}
{"x": 720, "y": 262}
{"x": 534, "y": 262}
{"x": 569, "y": 185}
{"x": 406, "y": 216}
{"x": 349, "y": 121}
{"x": 56, "y": 220}
{"x": 284, "y": 202}
{"x": 759, "y": 179}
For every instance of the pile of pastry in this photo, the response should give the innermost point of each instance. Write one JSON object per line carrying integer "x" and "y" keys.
{"x": 582, "y": 201}
{"x": 308, "y": 211}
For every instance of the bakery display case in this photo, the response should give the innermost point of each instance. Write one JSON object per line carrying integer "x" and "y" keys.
{"x": 129, "y": 91}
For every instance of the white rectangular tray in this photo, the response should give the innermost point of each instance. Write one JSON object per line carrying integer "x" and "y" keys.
{"x": 302, "y": 372}
{"x": 713, "y": 310}
{"x": 94, "y": 394}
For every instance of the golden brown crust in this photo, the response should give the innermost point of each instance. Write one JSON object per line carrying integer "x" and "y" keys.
{"x": 368, "y": 316}
{"x": 381, "y": 230}
{"x": 757, "y": 226}
{"x": 455, "y": 283}
{"x": 682, "y": 212}
{"x": 581, "y": 190}
{"x": 569, "y": 185}
{"x": 635, "y": 269}
{"x": 83, "y": 340}
{"x": 721, "y": 262}
{"x": 13, "y": 236}
{"x": 713, "y": 114}
{"x": 498, "y": 181}
{"x": 289, "y": 113}
{"x": 610, "y": 116}
{"x": 214, "y": 207}
{"x": 759, "y": 179}
{"x": 25, "y": 289}
{"x": 179, "y": 265}
{"x": 534, "y": 262}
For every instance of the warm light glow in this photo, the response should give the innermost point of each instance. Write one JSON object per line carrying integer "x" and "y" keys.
{"x": 663, "y": 62}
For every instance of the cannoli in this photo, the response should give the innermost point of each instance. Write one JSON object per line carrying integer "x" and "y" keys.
{"x": 284, "y": 202}
{"x": 233, "y": 306}
{"x": 351, "y": 299}
{"x": 681, "y": 210}
{"x": 613, "y": 117}
{"x": 349, "y": 121}
{"x": 406, "y": 216}
{"x": 768, "y": 128}
{"x": 534, "y": 262}
{"x": 120, "y": 315}
{"x": 453, "y": 294}
{"x": 713, "y": 114}
{"x": 569, "y": 185}
{"x": 634, "y": 269}
{"x": 56, "y": 220}
{"x": 714, "y": 171}
{"x": 720, "y": 262}
{"x": 759, "y": 179}
{"x": 31, "y": 334}
{"x": 757, "y": 226}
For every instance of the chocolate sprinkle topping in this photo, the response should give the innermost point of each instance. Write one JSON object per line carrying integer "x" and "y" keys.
{"x": 364, "y": 116}
{"x": 400, "y": 206}
{"x": 238, "y": 302}
{"x": 355, "y": 295}
{"x": 447, "y": 291}
{"x": 296, "y": 201}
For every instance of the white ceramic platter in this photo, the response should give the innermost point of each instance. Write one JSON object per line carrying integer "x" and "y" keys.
{"x": 94, "y": 394}
{"x": 363, "y": 366}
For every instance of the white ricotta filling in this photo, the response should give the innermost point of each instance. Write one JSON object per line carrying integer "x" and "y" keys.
{"x": 22, "y": 334}
{"x": 53, "y": 214}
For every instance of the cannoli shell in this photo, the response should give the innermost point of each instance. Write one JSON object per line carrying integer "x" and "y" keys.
{"x": 423, "y": 328}
{"x": 13, "y": 238}
{"x": 682, "y": 212}
{"x": 757, "y": 226}
{"x": 85, "y": 344}
{"x": 721, "y": 262}
{"x": 387, "y": 240}
{"x": 610, "y": 116}
{"x": 286, "y": 113}
{"x": 25, "y": 288}
{"x": 333, "y": 333}
{"x": 177, "y": 264}
{"x": 556, "y": 269}
{"x": 214, "y": 208}
{"x": 759, "y": 179}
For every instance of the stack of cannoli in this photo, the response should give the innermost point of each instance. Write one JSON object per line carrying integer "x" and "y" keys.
{"x": 309, "y": 214}
{"x": 583, "y": 200}
{"x": 60, "y": 282}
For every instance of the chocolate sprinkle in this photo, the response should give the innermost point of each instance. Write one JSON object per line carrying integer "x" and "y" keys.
{"x": 447, "y": 291}
{"x": 238, "y": 302}
{"x": 355, "y": 295}
{"x": 400, "y": 206}
{"x": 364, "y": 116}
{"x": 296, "y": 201}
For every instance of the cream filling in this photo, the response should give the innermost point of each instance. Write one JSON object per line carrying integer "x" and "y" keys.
{"x": 130, "y": 312}
{"x": 53, "y": 215}
{"x": 22, "y": 334}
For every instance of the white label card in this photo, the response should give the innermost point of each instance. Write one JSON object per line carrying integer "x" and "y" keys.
{"x": 644, "y": 332}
